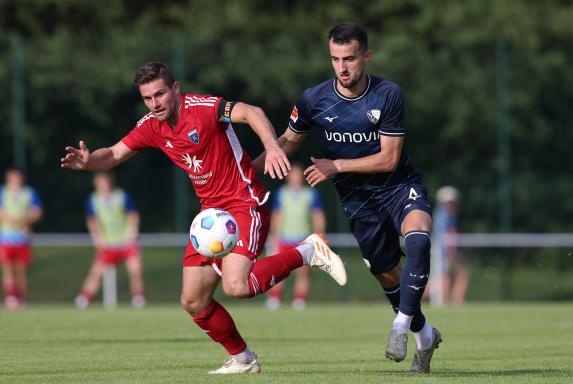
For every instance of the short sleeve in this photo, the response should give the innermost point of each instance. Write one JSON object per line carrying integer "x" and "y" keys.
{"x": 277, "y": 201}
{"x": 128, "y": 204}
{"x": 36, "y": 203}
{"x": 141, "y": 136}
{"x": 90, "y": 212}
{"x": 316, "y": 201}
{"x": 392, "y": 122}
{"x": 300, "y": 120}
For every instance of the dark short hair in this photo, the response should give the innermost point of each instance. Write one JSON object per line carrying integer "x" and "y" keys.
{"x": 346, "y": 31}
{"x": 153, "y": 71}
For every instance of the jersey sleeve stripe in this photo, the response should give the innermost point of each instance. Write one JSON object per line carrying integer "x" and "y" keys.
{"x": 392, "y": 133}
{"x": 296, "y": 130}
{"x": 187, "y": 104}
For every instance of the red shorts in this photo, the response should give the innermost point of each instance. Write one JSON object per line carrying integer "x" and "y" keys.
{"x": 116, "y": 255}
{"x": 253, "y": 224}
{"x": 16, "y": 254}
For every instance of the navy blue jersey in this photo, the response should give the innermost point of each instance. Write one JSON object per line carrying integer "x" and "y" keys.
{"x": 350, "y": 128}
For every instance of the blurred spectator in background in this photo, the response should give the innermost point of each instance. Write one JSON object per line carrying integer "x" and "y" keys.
{"x": 20, "y": 207}
{"x": 113, "y": 223}
{"x": 450, "y": 276}
{"x": 296, "y": 212}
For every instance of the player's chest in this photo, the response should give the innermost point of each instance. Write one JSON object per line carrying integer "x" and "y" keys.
{"x": 189, "y": 137}
{"x": 360, "y": 117}
{"x": 16, "y": 202}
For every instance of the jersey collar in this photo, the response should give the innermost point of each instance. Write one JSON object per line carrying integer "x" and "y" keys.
{"x": 351, "y": 98}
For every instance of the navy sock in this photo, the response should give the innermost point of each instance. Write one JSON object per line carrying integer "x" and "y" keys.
{"x": 416, "y": 271}
{"x": 393, "y": 295}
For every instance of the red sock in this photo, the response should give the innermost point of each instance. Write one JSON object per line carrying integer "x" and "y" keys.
{"x": 301, "y": 296}
{"x": 220, "y": 327}
{"x": 276, "y": 292}
{"x": 270, "y": 270}
{"x": 10, "y": 290}
{"x": 86, "y": 294}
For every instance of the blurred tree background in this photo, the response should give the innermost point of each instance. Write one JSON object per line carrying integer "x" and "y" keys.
{"x": 73, "y": 61}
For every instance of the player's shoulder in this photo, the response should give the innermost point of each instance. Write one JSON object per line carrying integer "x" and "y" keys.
{"x": 384, "y": 87}
{"x": 314, "y": 94}
{"x": 147, "y": 119}
{"x": 199, "y": 100}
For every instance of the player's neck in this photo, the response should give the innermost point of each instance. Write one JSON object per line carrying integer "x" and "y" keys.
{"x": 173, "y": 120}
{"x": 355, "y": 91}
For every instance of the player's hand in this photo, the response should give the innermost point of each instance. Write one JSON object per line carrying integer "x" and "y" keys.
{"x": 76, "y": 159}
{"x": 323, "y": 169}
{"x": 276, "y": 162}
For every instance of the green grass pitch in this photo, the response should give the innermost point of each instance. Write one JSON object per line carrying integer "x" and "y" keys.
{"x": 499, "y": 343}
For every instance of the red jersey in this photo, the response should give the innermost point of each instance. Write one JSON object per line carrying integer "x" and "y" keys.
{"x": 207, "y": 149}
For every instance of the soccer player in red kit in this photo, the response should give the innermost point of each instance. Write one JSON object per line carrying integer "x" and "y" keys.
{"x": 195, "y": 132}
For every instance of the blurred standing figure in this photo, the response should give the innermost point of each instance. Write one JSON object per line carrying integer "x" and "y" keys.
{"x": 450, "y": 278}
{"x": 113, "y": 223}
{"x": 296, "y": 212}
{"x": 20, "y": 207}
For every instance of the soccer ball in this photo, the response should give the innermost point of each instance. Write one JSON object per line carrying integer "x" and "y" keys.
{"x": 214, "y": 232}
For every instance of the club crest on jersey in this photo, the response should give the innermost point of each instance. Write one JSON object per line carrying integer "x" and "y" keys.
{"x": 193, "y": 136}
{"x": 373, "y": 115}
{"x": 294, "y": 114}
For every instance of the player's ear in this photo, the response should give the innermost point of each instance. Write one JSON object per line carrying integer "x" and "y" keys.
{"x": 367, "y": 56}
{"x": 175, "y": 87}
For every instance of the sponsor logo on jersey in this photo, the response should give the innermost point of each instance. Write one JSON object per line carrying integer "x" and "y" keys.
{"x": 373, "y": 115}
{"x": 331, "y": 119}
{"x": 356, "y": 137}
{"x": 294, "y": 114}
{"x": 168, "y": 144}
{"x": 200, "y": 179}
{"x": 192, "y": 162}
{"x": 193, "y": 136}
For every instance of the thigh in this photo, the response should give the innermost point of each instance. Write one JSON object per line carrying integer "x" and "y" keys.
{"x": 199, "y": 283}
{"x": 253, "y": 229}
{"x": 236, "y": 268}
{"x": 379, "y": 242}
{"x": 411, "y": 210}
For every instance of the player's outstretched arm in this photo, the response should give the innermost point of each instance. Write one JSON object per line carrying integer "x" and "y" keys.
{"x": 276, "y": 161}
{"x": 99, "y": 160}
{"x": 289, "y": 142}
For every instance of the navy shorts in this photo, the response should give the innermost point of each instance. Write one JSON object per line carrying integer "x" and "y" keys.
{"x": 378, "y": 235}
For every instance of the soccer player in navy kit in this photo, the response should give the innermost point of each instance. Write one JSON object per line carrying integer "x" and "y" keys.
{"x": 360, "y": 120}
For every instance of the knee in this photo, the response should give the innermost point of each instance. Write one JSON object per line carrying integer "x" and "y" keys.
{"x": 389, "y": 279}
{"x": 194, "y": 305}
{"x": 235, "y": 288}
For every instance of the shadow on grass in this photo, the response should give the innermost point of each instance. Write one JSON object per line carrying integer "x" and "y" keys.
{"x": 532, "y": 372}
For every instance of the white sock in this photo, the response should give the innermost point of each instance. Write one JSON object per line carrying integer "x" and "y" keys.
{"x": 424, "y": 338}
{"x": 402, "y": 322}
{"x": 306, "y": 251}
{"x": 244, "y": 357}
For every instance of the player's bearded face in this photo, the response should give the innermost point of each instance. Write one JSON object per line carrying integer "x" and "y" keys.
{"x": 349, "y": 62}
{"x": 160, "y": 99}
